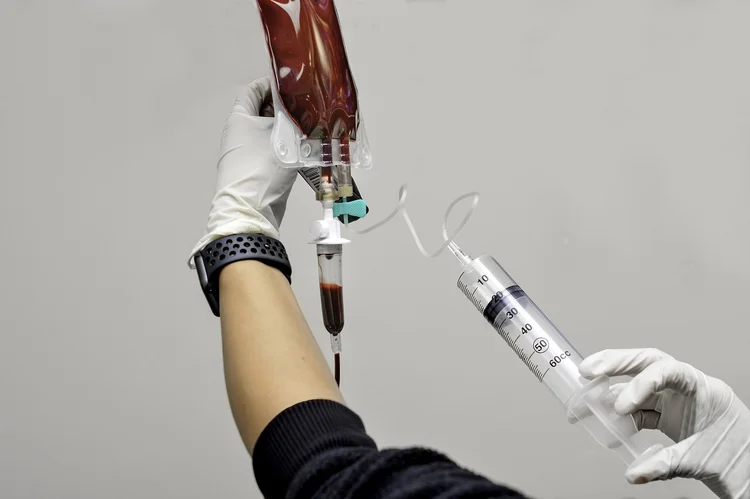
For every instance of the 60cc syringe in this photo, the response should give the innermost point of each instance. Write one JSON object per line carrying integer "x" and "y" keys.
{"x": 548, "y": 354}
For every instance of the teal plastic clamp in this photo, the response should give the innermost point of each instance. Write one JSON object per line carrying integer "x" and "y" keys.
{"x": 356, "y": 208}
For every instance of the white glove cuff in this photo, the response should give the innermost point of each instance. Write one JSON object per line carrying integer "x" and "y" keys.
{"x": 259, "y": 226}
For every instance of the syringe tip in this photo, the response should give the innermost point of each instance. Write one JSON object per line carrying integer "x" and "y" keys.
{"x": 462, "y": 257}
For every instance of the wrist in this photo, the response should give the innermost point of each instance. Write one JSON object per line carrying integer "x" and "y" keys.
{"x": 219, "y": 255}
{"x": 244, "y": 271}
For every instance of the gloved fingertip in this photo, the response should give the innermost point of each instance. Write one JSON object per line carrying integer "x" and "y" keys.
{"x": 624, "y": 403}
{"x": 635, "y": 478}
{"x": 590, "y": 367}
{"x": 636, "y": 473}
{"x": 261, "y": 85}
{"x": 652, "y": 465}
{"x": 252, "y": 99}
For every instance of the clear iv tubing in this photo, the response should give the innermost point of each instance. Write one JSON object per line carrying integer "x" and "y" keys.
{"x": 401, "y": 208}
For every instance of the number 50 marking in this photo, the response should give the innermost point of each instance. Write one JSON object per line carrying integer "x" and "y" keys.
{"x": 541, "y": 345}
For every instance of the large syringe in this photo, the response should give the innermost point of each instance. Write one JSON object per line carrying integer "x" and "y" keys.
{"x": 548, "y": 354}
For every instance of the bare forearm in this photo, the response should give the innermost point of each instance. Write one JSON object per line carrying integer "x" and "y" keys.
{"x": 271, "y": 360}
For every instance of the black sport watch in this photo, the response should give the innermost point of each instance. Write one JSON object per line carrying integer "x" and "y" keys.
{"x": 214, "y": 257}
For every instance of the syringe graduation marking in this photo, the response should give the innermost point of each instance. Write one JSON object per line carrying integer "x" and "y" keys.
{"x": 521, "y": 354}
{"x": 472, "y": 296}
{"x": 497, "y": 304}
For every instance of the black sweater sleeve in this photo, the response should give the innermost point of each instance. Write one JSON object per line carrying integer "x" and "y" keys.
{"x": 319, "y": 449}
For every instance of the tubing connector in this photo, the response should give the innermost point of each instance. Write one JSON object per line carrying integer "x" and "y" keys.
{"x": 462, "y": 257}
{"x": 327, "y": 230}
{"x": 335, "y": 343}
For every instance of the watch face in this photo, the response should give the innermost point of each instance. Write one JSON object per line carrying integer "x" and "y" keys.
{"x": 312, "y": 177}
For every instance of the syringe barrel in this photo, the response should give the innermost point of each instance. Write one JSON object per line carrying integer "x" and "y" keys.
{"x": 534, "y": 338}
{"x": 549, "y": 355}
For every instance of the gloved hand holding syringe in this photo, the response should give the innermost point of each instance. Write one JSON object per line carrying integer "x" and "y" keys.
{"x": 548, "y": 354}
{"x": 708, "y": 422}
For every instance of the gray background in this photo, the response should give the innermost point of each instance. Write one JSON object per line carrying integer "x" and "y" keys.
{"x": 610, "y": 142}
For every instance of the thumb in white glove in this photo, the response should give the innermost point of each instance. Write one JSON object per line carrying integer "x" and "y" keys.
{"x": 252, "y": 189}
{"x": 702, "y": 414}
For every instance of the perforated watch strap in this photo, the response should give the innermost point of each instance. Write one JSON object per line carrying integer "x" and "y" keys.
{"x": 214, "y": 257}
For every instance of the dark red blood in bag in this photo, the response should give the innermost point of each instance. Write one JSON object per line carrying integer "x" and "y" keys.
{"x": 310, "y": 66}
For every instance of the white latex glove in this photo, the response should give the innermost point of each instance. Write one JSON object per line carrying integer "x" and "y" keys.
{"x": 252, "y": 189}
{"x": 702, "y": 414}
